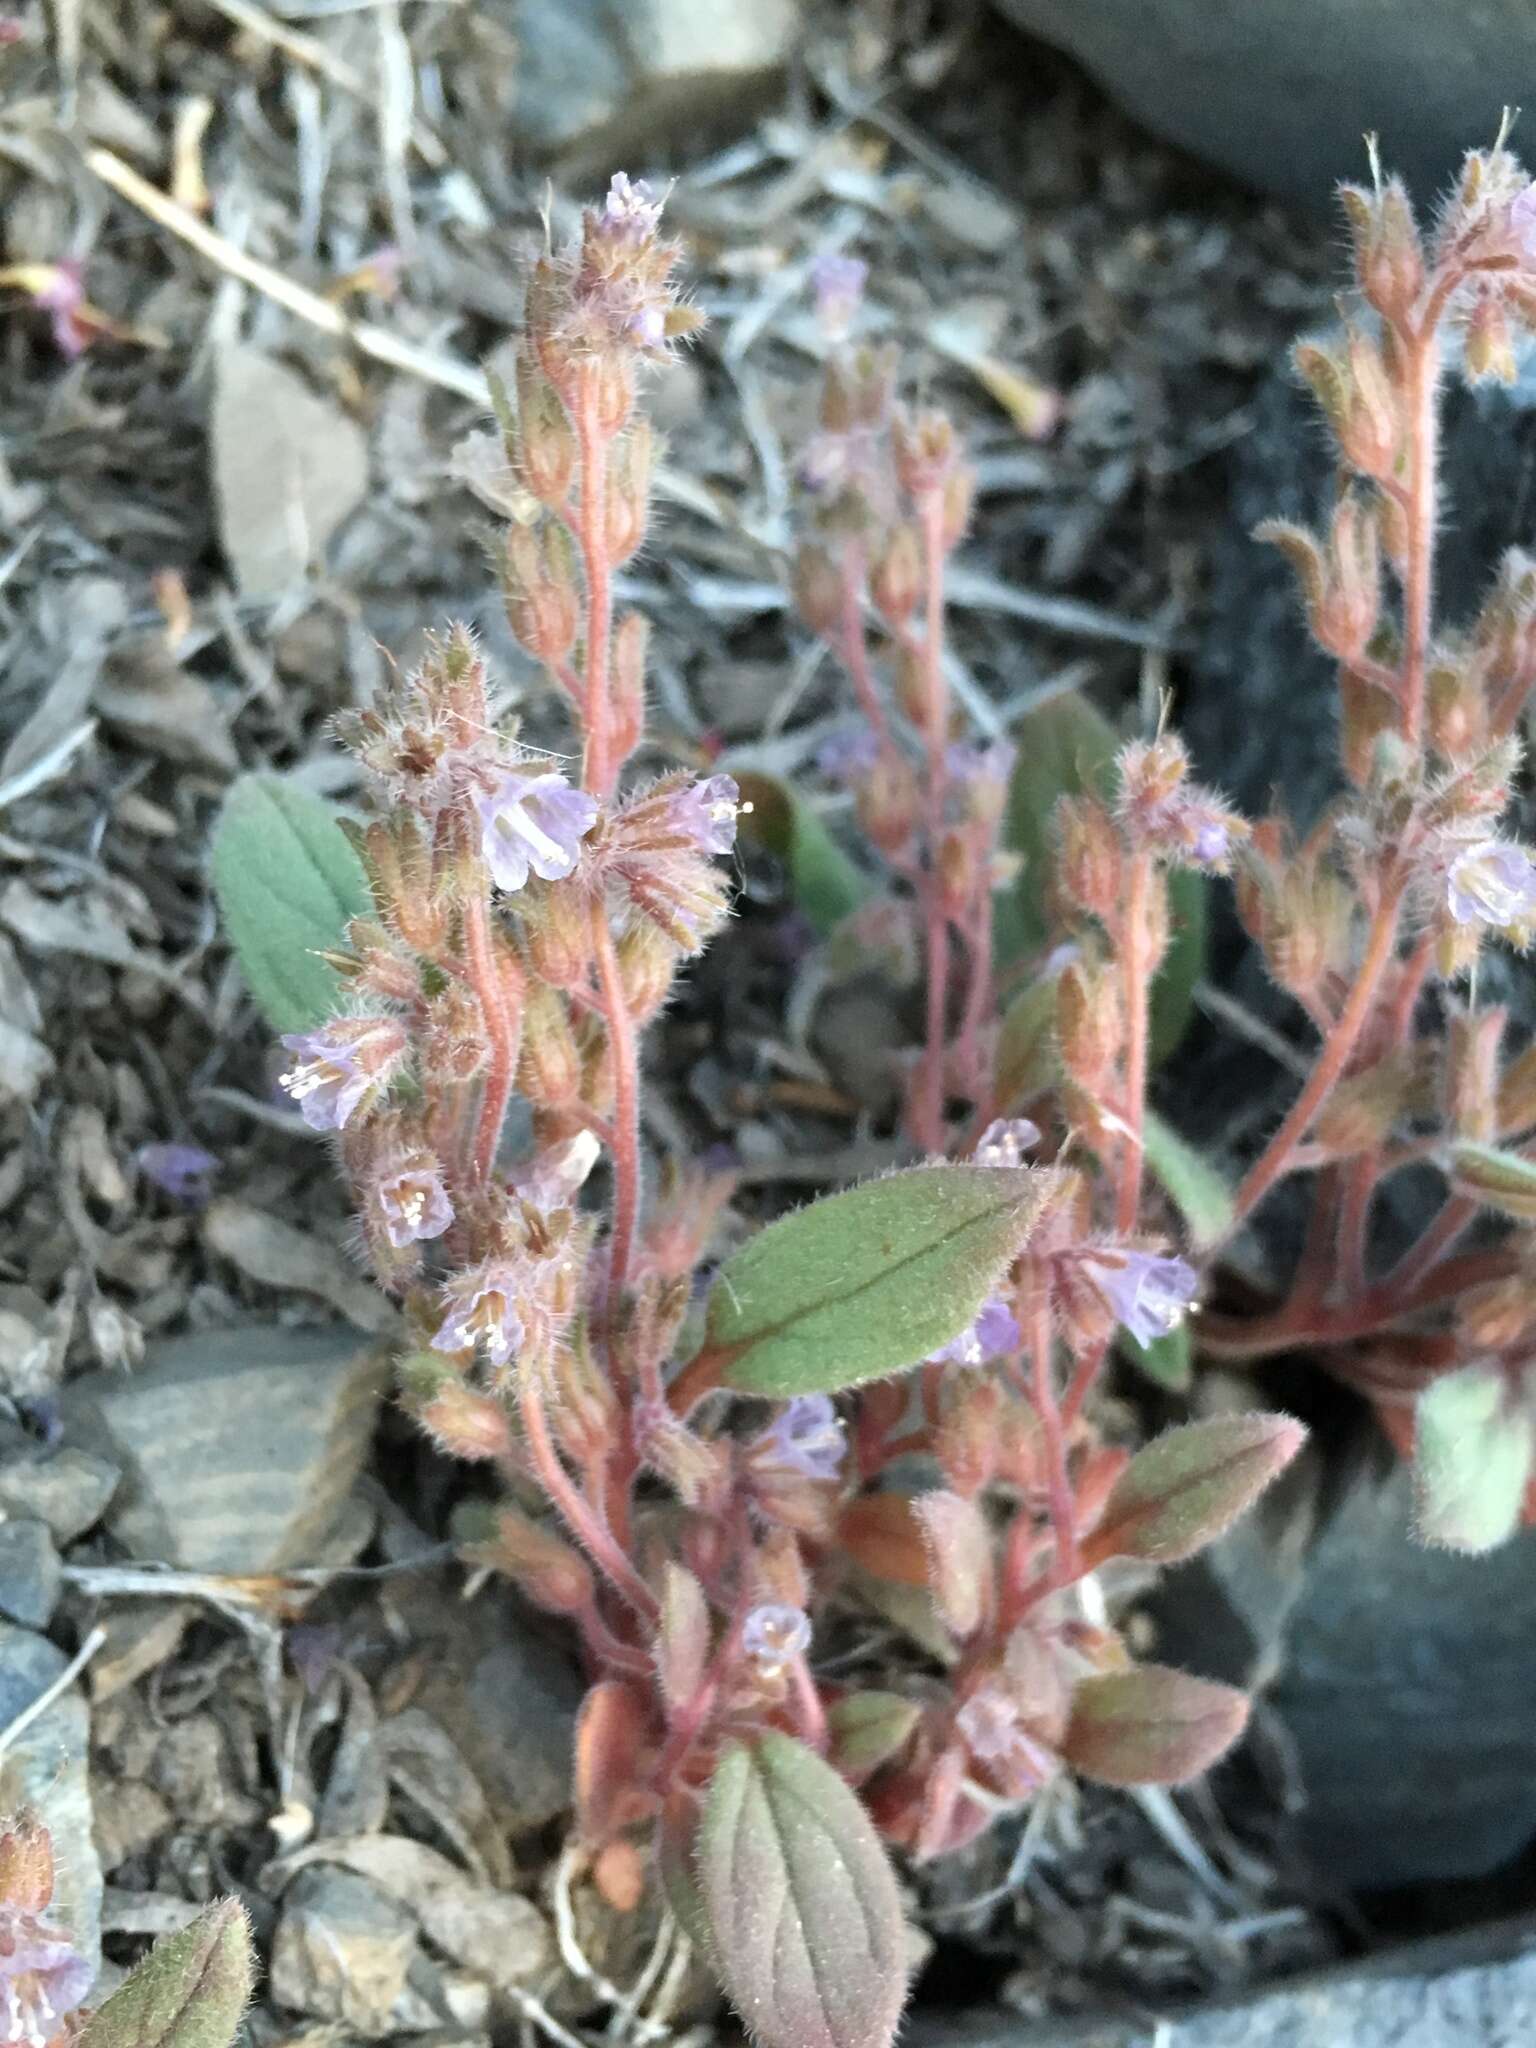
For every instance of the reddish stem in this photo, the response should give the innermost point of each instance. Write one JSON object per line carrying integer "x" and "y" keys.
{"x": 929, "y": 1107}
{"x": 626, "y": 1119}
{"x": 1047, "y": 1408}
{"x": 1137, "y": 972}
{"x": 583, "y": 1521}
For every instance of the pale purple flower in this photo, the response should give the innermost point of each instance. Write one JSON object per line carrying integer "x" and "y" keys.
{"x": 480, "y": 1311}
{"x": 807, "y": 1438}
{"x": 1494, "y": 883}
{"x": 847, "y": 755}
{"x": 414, "y": 1204}
{"x": 989, "y": 764}
{"x": 838, "y": 282}
{"x": 1147, "y": 1294}
{"x": 1005, "y": 1141}
{"x": 62, "y": 298}
{"x": 991, "y": 1726}
{"x": 533, "y": 824}
{"x": 825, "y": 462}
{"x": 184, "y": 1172}
{"x": 1210, "y": 844}
{"x": 336, "y": 1066}
{"x": 42, "y": 1979}
{"x": 554, "y": 1178}
{"x": 774, "y": 1634}
{"x": 705, "y": 812}
{"x": 647, "y": 327}
{"x": 994, "y": 1334}
{"x": 630, "y": 208}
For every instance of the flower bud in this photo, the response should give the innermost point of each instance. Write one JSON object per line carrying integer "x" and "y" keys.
{"x": 629, "y": 486}
{"x": 453, "y": 1039}
{"x": 698, "y": 1469}
{"x": 959, "y": 495}
{"x": 1474, "y": 1040}
{"x": 585, "y": 1407}
{"x": 1371, "y": 430}
{"x": 1488, "y": 349}
{"x": 1089, "y": 859}
{"x": 1389, "y": 261}
{"x": 1364, "y": 1108}
{"x": 546, "y": 447}
{"x": 557, "y": 932}
{"x": 550, "y": 1069}
{"x": 631, "y": 640}
{"x": 1307, "y": 929}
{"x": 1089, "y": 1023}
{"x": 464, "y": 1422}
{"x": 966, "y": 1441}
{"x": 887, "y": 802}
{"x": 926, "y": 452}
{"x": 612, "y": 384}
{"x": 540, "y": 1565}
{"x": 817, "y": 586}
{"x": 1365, "y": 713}
{"x": 897, "y": 579}
{"x": 1351, "y": 603}
{"x": 960, "y": 1567}
{"x": 540, "y": 588}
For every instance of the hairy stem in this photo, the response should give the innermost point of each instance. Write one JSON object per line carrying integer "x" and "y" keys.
{"x": 626, "y": 1116}
{"x": 583, "y": 1521}
{"x": 1137, "y": 972}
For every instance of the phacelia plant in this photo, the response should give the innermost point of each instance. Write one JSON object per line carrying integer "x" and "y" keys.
{"x": 698, "y": 1452}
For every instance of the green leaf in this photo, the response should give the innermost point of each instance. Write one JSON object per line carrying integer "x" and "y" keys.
{"x": 288, "y": 883}
{"x": 1505, "y": 1181}
{"x": 1028, "y": 1059}
{"x": 188, "y": 1992}
{"x": 1474, "y": 1447}
{"x": 867, "y": 1729}
{"x": 1194, "y": 1186}
{"x": 826, "y": 884}
{"x": 1167, "y": 1361}
{"x": 868, "y": 1282}
{"x": 1150, "y": 1726}
{"x": 1066, "y": 747}
{"x": 804, "y": 1917}
{"x": 1191, "y": 1484}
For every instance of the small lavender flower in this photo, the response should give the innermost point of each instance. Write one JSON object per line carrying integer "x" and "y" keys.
{"x": 1493, "y": 884}
{"x": 994, "y": 1334}
{"x": 846, "y": 756}
{"x": 1147, "y": 1294}
{"x": 184, "y": 1172}
{"x": 647, "y": 327}
{"x": 533, "y": 824}
{"x": 807, "y": 1438}
{"x": 480, "y": 1310}
{"x": 838, "y": 282}
{"x": 414, "y": 1204}
{"x": 42, "y": 1980}
{"x": 991, "y": 1726}
{"x": 630, "y": 209}
{"x": 1210, "y": 844}
{"x": 773, "y": 1635}
{"x": 336, "y": 1067}
{"x": 705, "y": 813}
{"x": 554, "y": 1178}
{"x": 1005, "y": 1141}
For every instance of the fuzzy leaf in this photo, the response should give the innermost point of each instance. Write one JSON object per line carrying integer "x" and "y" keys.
{"x": 1474, "y": 1447}
{"x": 1150, "y": 1726}
{"x": 1066, "y": 747}
{"x": 804, "y": 1917}
{"x": 868, "y": 1282}
{"x": 288, "y": 883}
{"x": 826, "y": 884}
{"x": 867, "y": 1729}
{"x": 1190, "y": 1181}
{"x": 1028, "y": 1059}
{"x": 1504, "y": 1180}
{"x": 188, "y": 1992}
{"x": 1191, "y": 1484}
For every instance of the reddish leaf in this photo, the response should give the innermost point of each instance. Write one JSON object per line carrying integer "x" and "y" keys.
{"x": 805, "y": 1921}
{"x": 1150, "y": 1726}
{"x": 1188, "y": 1486}
{"x": 959, "y": 1557}
{"x": 610, "y": 1757}
{"x": 881, "y": 1533}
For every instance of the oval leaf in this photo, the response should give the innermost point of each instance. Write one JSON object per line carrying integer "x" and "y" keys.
{"x": 823, "y": 880}
{"x": 1167, "y": 1361}
{"x": 1472, "y": 1458}
{"x": 867, "y": 1729}
{"x": 804, "y": 1918}
{"x": 1191, "y": 1484}
{"x": 1150, "y": 1726}
{"x": 868, "y": 1282}
{"x": 288, "y": 883}
{"x": 188, "y": 1992}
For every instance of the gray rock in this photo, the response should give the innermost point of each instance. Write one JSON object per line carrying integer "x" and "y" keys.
{"x": 239, "y": 1447}
{"x": 44, "y": 1767}
{"x": 343, "y": 1951}
{"x": 1280, "y": 93}
{"x": 1423, "y": 1997}
{"x": 30, "y": 1573}
{"x": 68, "y": 1491}
{"x": 610, "y": 74}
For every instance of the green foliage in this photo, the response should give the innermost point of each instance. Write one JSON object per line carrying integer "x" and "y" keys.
{"x": 1066, "y": 748}
{"x": 1191, "y": 1484}
{"x": 804, "y": 1918}
{"x": 1151, "y": 1726}
{"x": 1194, "y": 1186}
{"x": 188, "y": 1992}
{"x": 868, "y": 1282}
{"x": 1169, "y": 1362}
{"x": 826, "y": 884}
{"x": 1474, "y": 1450}
{"x": 867, "y": 1729}
{"x": 287, "y": 882}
